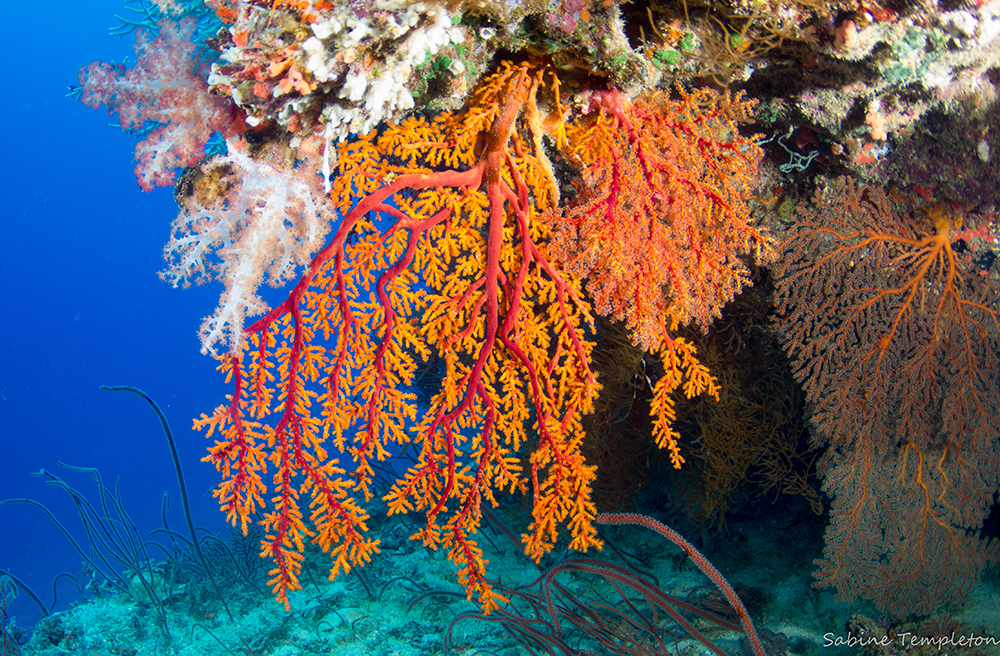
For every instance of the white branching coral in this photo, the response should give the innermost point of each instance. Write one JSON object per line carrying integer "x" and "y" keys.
{"x": 245, "y": 221}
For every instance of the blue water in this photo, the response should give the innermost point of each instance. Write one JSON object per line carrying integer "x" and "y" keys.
{"x": 83, "y": 306}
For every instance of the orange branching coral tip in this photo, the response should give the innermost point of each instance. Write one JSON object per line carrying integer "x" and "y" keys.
{"x": 447, "y": 257}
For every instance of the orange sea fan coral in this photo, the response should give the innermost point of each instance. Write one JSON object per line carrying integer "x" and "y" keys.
{"x": 460, "y": 274}
{"x": 891, "y": 316}
{"x": 663, "y": 224}
{"x": 665, "y": 219}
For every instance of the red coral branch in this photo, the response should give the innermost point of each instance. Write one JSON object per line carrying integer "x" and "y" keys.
{"x": 619, "y": 519}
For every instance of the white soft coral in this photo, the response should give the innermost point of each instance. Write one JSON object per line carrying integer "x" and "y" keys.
{"x": 247, "y": 220}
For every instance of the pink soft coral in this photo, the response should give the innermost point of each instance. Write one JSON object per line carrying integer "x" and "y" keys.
{"x": 164, "y": 87}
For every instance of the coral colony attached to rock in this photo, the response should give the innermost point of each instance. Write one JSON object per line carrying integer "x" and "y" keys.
{"x": 471, "y": 188}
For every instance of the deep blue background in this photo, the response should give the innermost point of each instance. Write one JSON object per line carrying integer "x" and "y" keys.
{"x": 82, "y": 304}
